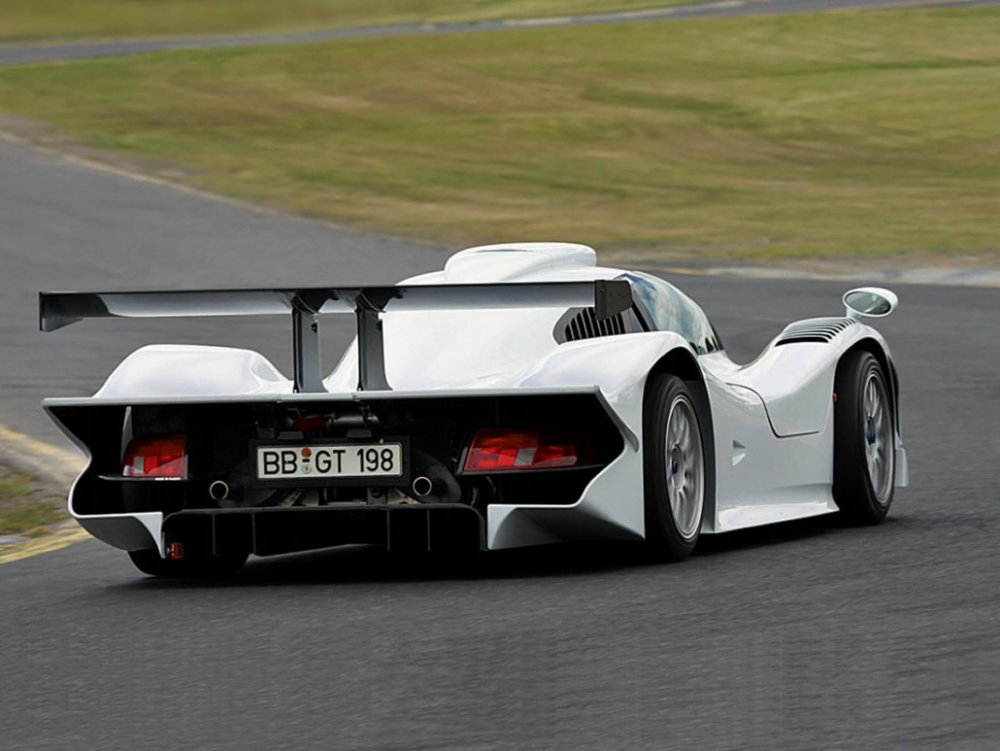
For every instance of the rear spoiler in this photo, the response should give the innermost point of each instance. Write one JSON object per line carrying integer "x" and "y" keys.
{"x": 305, "y": 305}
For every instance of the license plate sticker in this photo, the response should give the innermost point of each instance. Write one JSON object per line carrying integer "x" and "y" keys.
{"x": 322, "y": 461}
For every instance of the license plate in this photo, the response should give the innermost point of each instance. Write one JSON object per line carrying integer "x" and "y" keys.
{"x": 320, "y": 461}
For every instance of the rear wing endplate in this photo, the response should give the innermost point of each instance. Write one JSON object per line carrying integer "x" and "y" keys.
{"x": 306, "y": 305}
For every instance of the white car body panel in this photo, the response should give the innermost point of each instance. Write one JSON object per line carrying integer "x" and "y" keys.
{"x": 771, "y": 420}
{"x": 749, "y": 490}
{"x": 135, "y": 531}
{"x": 170, "y": 370}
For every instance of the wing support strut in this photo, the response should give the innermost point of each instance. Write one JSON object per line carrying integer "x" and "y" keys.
{"x": 308, "y": 374}
{"x": 371, "y": 348}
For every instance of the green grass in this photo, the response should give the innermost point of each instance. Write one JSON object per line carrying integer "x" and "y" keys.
{"x": 840, "y": 134}
{"x": 25, "y": 509}
{"x": 22, "y": 20}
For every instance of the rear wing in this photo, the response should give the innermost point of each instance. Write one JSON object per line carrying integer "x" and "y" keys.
{"x": 306, "y": 305}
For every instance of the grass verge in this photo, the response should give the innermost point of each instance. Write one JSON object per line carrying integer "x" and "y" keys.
{"x": 24, "y": 20}
{"x": 27, "y": 509}
{"x": 837, "y": 135}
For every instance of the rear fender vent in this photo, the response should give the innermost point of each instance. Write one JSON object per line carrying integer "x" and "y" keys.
{"x": 817, "y": 330}
{"x": 582, "y": 323}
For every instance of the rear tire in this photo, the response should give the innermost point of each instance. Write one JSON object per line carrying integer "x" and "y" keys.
{"x": 674, "y": 468}
{"x": 864, "y": 469}
{"x": 149, "y": 562}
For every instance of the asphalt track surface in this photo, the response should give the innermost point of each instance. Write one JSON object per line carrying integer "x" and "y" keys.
{"x": 15, "y": 54}
{"x": 807, "y": 635}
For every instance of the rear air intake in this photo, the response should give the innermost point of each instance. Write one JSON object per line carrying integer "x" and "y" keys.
{"x": 583, "y": 324}
{"x": 817, "y": 330}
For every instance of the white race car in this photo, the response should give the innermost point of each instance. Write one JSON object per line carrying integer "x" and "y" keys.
{"x": 521, "y": 396}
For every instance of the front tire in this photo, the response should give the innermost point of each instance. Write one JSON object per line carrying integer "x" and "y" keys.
{"x": 864, "y": 468}
{"x": 674, "y": 468}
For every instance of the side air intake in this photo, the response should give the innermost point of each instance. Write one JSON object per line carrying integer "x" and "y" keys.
{"x": 817, "y": 330}
{"x": 583, "y": 323}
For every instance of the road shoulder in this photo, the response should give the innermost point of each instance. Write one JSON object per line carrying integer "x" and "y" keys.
{"x": 34, "y": 482}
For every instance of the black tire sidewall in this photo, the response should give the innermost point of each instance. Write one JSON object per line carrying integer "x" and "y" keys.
{"x": 852, "y": 487}
{"x": 662, "y": 535}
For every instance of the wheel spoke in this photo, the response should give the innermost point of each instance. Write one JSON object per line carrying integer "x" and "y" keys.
{"x": 877, "y": 435}
{"x": 685, "y": 467}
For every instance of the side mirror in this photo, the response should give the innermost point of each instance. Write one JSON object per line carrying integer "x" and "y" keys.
{"x": 870, "y": 302}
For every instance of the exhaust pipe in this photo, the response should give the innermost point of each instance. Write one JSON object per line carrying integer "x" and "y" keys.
{"x": 433, "y": 483}
{"x": 422, "y": 486}
{"x": 218, "y": 490}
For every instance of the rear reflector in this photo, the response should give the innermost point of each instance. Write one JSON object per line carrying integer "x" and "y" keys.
{"x": 163, "y": 456}
{"x": 499, "y": 449}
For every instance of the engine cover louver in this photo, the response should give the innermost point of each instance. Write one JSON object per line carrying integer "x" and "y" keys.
{"x": 584, "y": 325}
{"x": 817, "y": 330}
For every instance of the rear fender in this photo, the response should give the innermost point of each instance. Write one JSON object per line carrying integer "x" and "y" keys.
{"x": 170, "y": 370}
{"x": 618, "y": 365}
{"x": 611, "y": 507}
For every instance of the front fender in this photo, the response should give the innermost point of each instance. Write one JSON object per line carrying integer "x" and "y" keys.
{"x": 795, "y": 380}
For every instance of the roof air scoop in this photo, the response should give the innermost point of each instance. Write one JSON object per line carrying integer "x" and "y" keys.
{"x": 511, "y": 261}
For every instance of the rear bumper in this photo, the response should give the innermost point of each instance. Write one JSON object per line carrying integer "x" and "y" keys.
{"x": 436, "y": 528}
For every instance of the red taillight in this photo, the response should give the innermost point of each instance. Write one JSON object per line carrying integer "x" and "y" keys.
{"x": 497, "y": 449}
{"x": 164, "y": 456}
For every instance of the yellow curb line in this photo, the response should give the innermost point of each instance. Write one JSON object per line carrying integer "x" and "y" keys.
{"x": 57, "y": 465}
{"x": 66, "y": 535}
